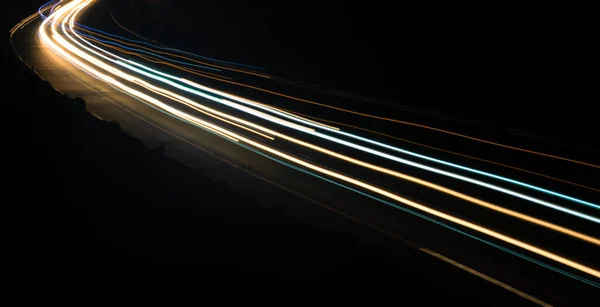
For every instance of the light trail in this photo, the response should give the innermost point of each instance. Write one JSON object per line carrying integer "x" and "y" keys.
{"x": 412, "y": 179}
{"x": 450, "y": 152}
{"x": 301, "y": 128}
{"x": 427, "y": 218}
{"x": 133, "y": 43}
{"x": 77, "y": 5}
{"x": 196, "y": 72}
{"x": 336, "y": 130}
{"x": 45, "y": 7}
{"x": 296, "y": 117}
{"x": 373, "y": 116}
{"x": 203, "y": 66}
{"x": 365, "y": 149}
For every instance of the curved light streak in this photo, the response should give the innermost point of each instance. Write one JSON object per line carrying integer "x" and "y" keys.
{"x": 425, "y": 217}
{"x": 423, "y": 126}
{"x": 112, "y": 45}
{"x": 396, "y": 174}
{"x": 355, "y": 146}
{"x": 80, "y": 4}
{"x": 336, "y": 130}
{"x": 526, "y": 185}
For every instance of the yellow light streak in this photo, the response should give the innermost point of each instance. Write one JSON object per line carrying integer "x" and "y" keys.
{"x": 80, "y": 4}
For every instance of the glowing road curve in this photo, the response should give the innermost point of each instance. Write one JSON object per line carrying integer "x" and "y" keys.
{"x": 287, "y": 136}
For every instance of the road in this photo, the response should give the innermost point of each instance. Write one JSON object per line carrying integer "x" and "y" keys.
{"x": 253, "y": 146}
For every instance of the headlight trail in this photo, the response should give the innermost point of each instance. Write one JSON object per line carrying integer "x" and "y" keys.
{"x": 331, "y": 129}
{"x": 45, "y": 7}
{"x": 392, "y": 120}
{"x": 103, "y": 71}
{"x": 296, "y": 117}
{"x": 338, "y": 131}
{"x": 202, "y": 66}
{"x": 339, "y": 156}
{"x": 156, "y": 53}
{"x": 151, "y": 73}
{"x": 425, "y": 217}
{"x": 311, "y": 131}
{"x": 451, "y": 152}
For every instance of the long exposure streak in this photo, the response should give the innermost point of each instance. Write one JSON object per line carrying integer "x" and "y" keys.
{"x": 79, "y": 50}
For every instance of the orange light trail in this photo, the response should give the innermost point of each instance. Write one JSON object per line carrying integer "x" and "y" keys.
{"x": 58, "y": 44}
{"x": 355, "y": 112}
{"x": 447, "y": 151}
{"x": 303, "y": 116}
{"x": 364, "y": 164}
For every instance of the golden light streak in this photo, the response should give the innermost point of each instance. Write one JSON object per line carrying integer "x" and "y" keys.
{"x": 80, "y": 4}
{"x": 337, "y": 108}
{"x": 248, "y": 101}
{"x": 387, "y": 171}
{"x": 447, "y": 151}
{"x": 170, "y": 95}
{"x": 300, "y": 115}
{"x": 352, "y": 160}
